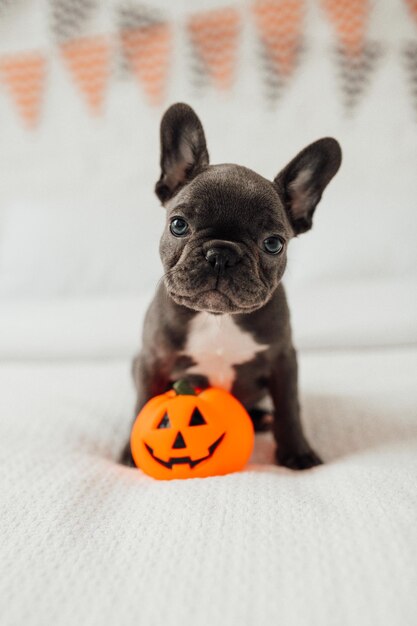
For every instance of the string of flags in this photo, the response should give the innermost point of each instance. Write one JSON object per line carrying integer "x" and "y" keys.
{"x": 144, "y": 49}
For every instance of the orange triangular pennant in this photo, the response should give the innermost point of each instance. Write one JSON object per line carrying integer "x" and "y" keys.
{"x": 148, "y": 50}
{"x": 279, "y": 23}
{"x": 24, "y": 75}
{"x": 349, "y": 18}
{"x": 88, "y": 61}
{"x": 214, "y": 35}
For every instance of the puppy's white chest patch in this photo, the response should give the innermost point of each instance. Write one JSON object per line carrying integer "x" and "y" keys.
{"x": 216, "y": 344}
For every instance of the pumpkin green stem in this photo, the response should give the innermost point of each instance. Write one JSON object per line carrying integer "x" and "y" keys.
{"x": 183, "y": 388}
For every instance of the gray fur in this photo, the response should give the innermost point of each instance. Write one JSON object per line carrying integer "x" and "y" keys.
{"x": 231, "y": 210}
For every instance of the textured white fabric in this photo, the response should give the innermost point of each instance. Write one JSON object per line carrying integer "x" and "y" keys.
{"x": 85, "y": 541}
{"x": 78, "y": 216}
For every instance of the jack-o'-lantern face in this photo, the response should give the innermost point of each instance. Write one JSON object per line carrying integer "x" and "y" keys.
{"x": 179, "y": 446}
{"x": 185, "y": 436}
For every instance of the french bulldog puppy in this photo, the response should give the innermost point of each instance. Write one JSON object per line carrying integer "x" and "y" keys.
{"x": 220, "y": 315}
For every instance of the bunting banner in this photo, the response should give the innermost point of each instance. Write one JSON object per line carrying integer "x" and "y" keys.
{"x": 24, "y": 76}
{"x": 280, "y": 25}
{"x": 147, "y": 43}
{"x": 141, "y": 48}
{"x": 88, "y": 61}
{"x": 356, "y": 57}
{"x": 214, "y": 37}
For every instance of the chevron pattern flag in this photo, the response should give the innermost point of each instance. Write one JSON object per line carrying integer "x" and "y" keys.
{"x": 355, "y": 56}
{"x": 131, "y": 17}
{"x": 24, "y": 76}
{"x": 69, "y": 17}
{"x": 355, "y": 72}
{"x": 88, "y": 61}
{"x": 279, "y": 24}
{"x": 214, "y": 36}
{"x": 148, "y": 50}
{"x": 349, "y": 18}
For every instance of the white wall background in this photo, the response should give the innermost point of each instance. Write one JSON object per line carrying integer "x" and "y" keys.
{"x": 79, "y": 222}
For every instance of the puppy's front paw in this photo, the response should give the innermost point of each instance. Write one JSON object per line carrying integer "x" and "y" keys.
{"x": 298, "y": 460}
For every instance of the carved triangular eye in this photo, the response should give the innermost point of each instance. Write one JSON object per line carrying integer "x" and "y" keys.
{"x": 197, "y": 419}
{"x": 164, "y": 423}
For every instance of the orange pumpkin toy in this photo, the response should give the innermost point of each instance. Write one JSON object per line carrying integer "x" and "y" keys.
{"x": 185, "y": 434}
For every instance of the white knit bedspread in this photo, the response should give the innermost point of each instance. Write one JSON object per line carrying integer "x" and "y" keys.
{"x": 85, "y": 541}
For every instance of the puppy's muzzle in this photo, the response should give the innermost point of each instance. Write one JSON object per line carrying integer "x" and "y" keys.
{"x": 222, "y": 254}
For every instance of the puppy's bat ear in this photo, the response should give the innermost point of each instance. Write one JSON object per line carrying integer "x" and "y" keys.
{"x": 302, "y": 182}
{"x": 183, "y": 150}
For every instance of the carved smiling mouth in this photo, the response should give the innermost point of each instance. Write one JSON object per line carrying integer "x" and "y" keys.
{"x": 186, "y": 459}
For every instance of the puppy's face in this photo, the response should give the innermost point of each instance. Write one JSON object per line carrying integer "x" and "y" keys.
{"x": 225, "y": 241}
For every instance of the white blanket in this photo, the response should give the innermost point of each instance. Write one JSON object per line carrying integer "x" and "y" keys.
{"x": 85, "y": 541}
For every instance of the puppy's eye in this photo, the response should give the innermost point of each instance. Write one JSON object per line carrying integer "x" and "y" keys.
{"x": 178, "y": 227}
{"x": 273, "y": 245}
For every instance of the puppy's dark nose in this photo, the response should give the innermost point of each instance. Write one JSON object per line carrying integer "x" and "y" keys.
{"x": 221, "y": 257}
